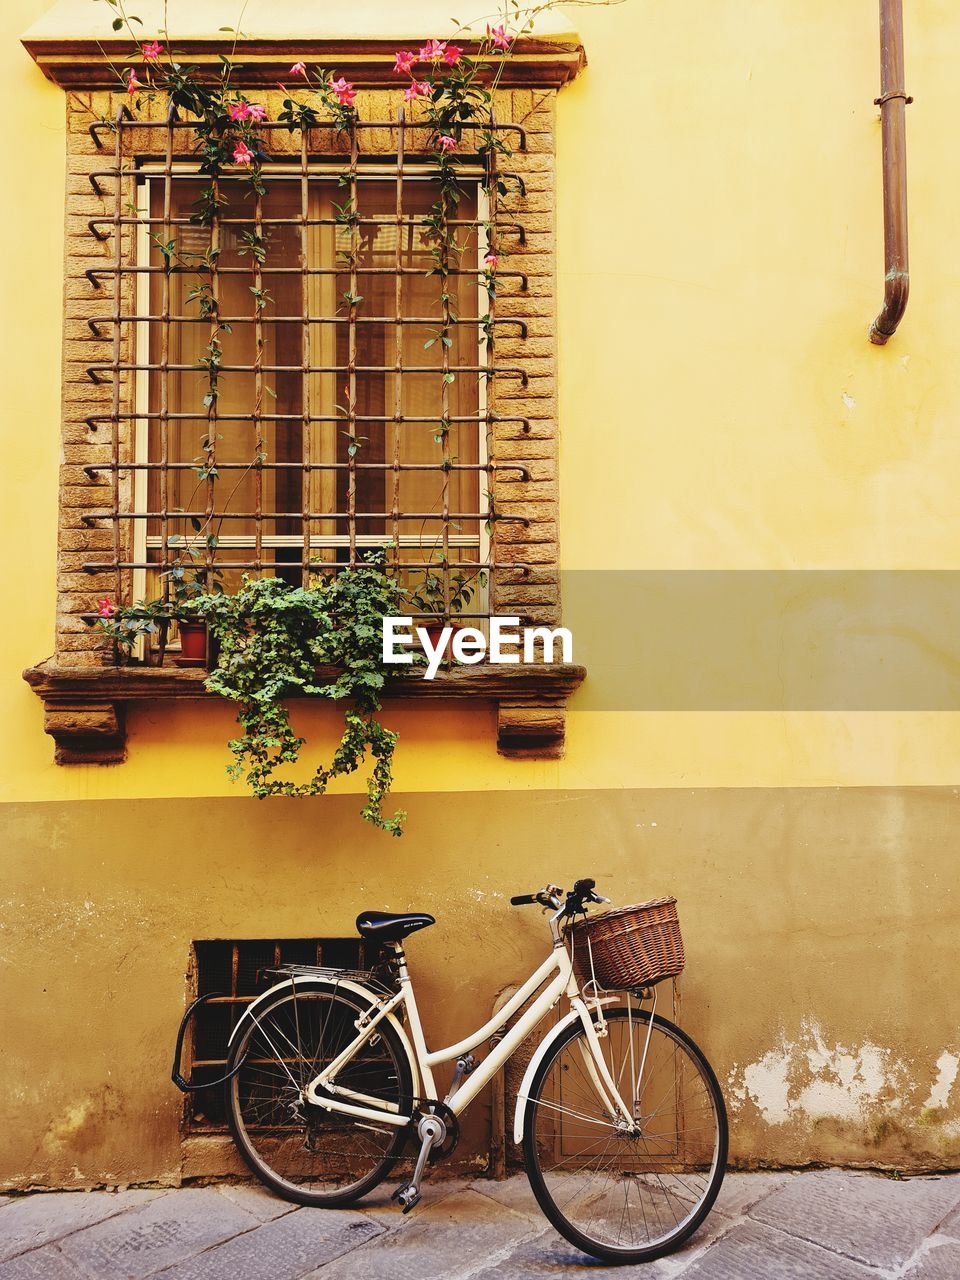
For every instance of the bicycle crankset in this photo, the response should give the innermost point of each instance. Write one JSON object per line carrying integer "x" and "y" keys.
{"x": 433, "y": 1107}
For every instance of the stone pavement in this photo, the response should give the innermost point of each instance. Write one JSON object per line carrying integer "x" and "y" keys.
{"x": 766, "y": 1226}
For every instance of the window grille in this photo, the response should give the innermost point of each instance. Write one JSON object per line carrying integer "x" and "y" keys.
{"x": 339, "y": 424}
{"x": 233, "y": 969}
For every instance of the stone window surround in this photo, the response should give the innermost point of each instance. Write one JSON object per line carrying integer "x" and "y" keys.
{"x": 84, "y": 703}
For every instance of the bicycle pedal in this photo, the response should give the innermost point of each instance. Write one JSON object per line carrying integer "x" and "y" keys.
{"x": 408, "y": 1196}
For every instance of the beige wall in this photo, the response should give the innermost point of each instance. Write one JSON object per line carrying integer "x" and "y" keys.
{"x": 818, "y": 925}
{"x": 720, "y": 260}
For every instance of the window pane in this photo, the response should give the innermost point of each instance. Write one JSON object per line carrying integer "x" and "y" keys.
{"x": 387, "y": 382}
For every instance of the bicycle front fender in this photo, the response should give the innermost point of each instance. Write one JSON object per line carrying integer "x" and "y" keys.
{"x": 541, "y": 1052}
{"x": 527, "y": 1081}
{"x": 344, "y": 984}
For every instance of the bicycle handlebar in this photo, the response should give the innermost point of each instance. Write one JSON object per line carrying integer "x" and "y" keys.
{"x": 551, "y": 896}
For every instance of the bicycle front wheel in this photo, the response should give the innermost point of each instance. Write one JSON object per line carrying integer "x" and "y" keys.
{"x": 303, "y": 1152}
{"x": 619, "y": 1192}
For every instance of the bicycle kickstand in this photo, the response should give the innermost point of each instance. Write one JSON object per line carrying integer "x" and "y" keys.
{"x": 431, "y": 1131}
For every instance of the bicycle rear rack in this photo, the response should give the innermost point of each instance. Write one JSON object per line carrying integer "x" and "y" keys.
{"x": 378, "y": 985}
{"x": 378, "y": 982}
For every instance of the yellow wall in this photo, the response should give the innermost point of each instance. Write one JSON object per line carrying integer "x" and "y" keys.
{"x": 32, "y": 225}
{"x": 734, "y": 277}
{"x": 720, "y": 260}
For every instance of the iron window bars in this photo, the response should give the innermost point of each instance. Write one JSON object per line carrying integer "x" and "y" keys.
{"x": 316, "y": 511}
{"x": 236, "y": 970}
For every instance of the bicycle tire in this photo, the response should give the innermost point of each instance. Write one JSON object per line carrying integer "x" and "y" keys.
{"x": 546, "y": 1184}
{"x": 258, "y": 1096}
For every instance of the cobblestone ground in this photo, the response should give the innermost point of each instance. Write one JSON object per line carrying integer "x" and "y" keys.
{"x": 793, "y": 1226}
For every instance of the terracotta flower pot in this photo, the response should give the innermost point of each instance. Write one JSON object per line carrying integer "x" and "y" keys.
{"x": 193, "y": 642}
{"x": 435, "y": 631}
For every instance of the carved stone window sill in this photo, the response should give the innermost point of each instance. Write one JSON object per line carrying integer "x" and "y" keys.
{"x": 84, "y": 706}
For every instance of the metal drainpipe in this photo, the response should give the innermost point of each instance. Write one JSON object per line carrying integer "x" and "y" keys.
{"x": 893, "y": 103}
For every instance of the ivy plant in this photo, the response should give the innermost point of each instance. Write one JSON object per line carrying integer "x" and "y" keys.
{"x": 273, "y": 638}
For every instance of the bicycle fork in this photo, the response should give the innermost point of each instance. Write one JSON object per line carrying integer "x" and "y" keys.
{"x": 599, "y": 1072}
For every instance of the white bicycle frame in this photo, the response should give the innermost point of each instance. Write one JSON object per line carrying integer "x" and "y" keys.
{"x": 324, "y": 1092}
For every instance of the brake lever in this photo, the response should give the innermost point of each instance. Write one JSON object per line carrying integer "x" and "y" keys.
{"x": 549, "y": 898}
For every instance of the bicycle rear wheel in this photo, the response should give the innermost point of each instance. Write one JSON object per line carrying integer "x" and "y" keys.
{"x": 621, "y": 1196}
{"x": 302, "y": 1152}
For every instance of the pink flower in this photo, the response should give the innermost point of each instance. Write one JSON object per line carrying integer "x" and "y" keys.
{"x": 432, "y": 51}
{"x": 499, "y": 37}
{"x": 416, "y": 89}
{"x": 242, "y": 154}
{"x": 446, "y": 143}
{"x": 452, "y": 55}
{"x": 133, "y": 84}
{"x": 345, "y": 92}
{"x": 490, "y": 261}
{"x": 299, "y": 69}
{"x": 152, "y": 51}
{"x": 246, "y": 111}
{"x": 105, "y": 607}
{"x": 404, "y": 63}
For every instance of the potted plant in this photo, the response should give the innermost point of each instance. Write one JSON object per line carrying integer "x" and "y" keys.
{"x": 427, "y": 599}
{"x": 126, "y": 624}
{"x": 185, "y": 582}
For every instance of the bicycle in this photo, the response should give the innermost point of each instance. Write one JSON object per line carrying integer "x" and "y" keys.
{"x": 620, "y": 1117}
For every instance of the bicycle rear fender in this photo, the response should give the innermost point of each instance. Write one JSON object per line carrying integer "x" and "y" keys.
{"x": 344, "y": 984}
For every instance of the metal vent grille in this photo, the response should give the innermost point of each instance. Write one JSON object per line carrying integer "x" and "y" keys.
{"x": 232, "y": 969}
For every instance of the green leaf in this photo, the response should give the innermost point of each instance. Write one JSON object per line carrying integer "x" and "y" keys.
{"x": 117, "y": 24}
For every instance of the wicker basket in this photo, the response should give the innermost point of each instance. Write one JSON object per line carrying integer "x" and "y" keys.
{"x": 631, "y": 947}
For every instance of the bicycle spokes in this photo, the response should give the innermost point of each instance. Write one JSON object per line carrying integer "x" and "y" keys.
{"x": 626, "y": 1184}
{"x": 299, "y": 1147}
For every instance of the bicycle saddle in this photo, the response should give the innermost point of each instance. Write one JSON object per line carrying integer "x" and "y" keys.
{"x": 383, "y": 926}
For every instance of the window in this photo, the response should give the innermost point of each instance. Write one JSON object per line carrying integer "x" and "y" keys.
{"x": 327, "y": 423}
{"x": 335, "y": 428}
{"x": 309, "y": 374}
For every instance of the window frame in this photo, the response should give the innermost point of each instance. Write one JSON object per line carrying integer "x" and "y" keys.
{"x": 84, "y": 696}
